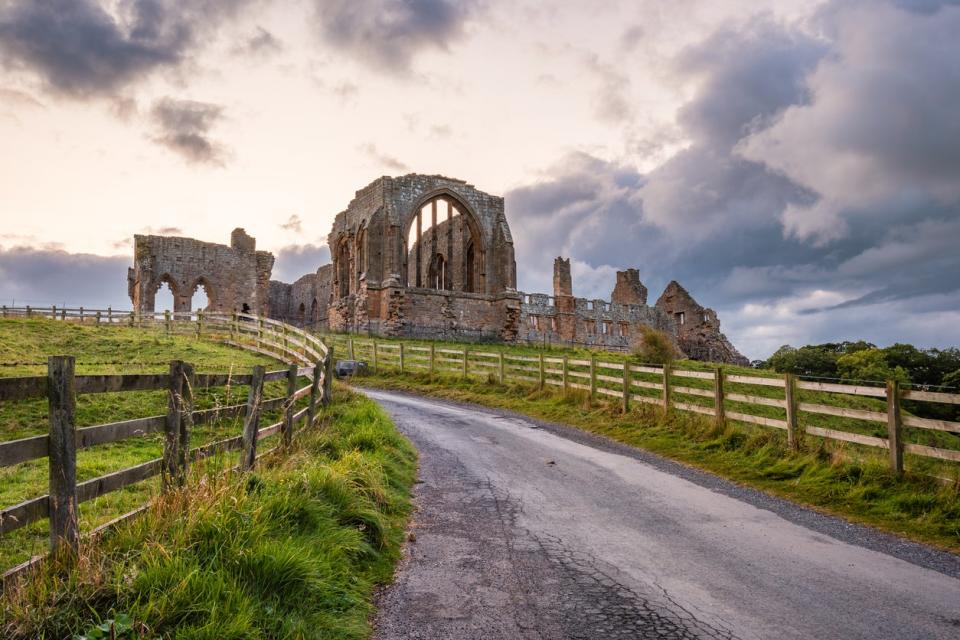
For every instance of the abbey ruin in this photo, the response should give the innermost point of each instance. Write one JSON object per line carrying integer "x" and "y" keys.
{"x": 421, "y": 256}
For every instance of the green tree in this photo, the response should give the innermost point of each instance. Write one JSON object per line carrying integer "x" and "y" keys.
{"x": 869, "y": 364}
{"x": 952, "y": 381}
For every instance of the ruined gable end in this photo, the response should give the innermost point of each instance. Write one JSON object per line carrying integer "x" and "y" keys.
{"x": 697, "y": 327}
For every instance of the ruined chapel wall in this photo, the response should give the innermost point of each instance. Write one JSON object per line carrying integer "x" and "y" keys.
{"x": 233, "y": 276}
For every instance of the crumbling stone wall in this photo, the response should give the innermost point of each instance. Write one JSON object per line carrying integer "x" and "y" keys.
{"x": 383, "y": 279}
{"x": 697, "y": 328}
{"x": 619, "y": 324}
{"x": 629, "y": 289}
{"x": 304, "y": 303}
{"x": 236, "y": 277}
{"x": 565, "y": 319}
{"x": 376, "y": 269}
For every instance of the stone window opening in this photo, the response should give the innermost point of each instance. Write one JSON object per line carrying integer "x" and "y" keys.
{"x": 553, "y": 323}
{"x": 361, "y": 255}
{"x": 315, "y": 312}
{"x": 301, "y": 314}
{"x": 439, "y": 273}
{"x": 605, "y": 327}
{"x": 343, "y": 268}
{"x": 470, "y": 267}
{"x": 591, "y": 327}
{"x": 165, "y": 294}
{"x": 680, "y": 318}
{"x": 201, "y": 296}
{"x": 443, "y": 226}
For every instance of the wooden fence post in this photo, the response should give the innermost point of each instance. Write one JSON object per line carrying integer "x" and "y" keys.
{"x": 542, "y": 379}
{"x": 53, "y": 314}
{"x": 894, "y": 426}
{"x": 98, "y": 318}
{"x": 666, "y": 387}
{"x": 566, "y": 385}
{"x": 251, "y": 420}
{"x": 500, "y": 367}
{"x": 199, "y": 324}
{"x": 4, "y": 311}
{"x": 719, "y": 409}
{"x": 790, "y": 397}
{"x": 62, "y": 454}
{"x": 166, "y": 320}
{"x": 314, "y": 393}
{"x": 350, "y": 348}
{"x": 81, "y": 314}
{"x": 171, "y": 444}
{"x": 327, "y": 376}
{"x": 109, "y": 314}
{"x": 287, "y": 428}
{"x": 466, "y": 356}
{"x": 626, "y": 387}
{"x": 375, "y": 369}
{"x": 593, "y": 377}
{"x": 186, "y": 419}
{"x": 401, "y": 357}
{"x": 30, "y": 312}
{"x": 433, "y": 359}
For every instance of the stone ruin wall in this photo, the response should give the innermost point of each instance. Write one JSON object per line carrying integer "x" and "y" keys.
{"x": 370, "y": 286}
{"x": 305, "y": 302}
{"x": 374, "y": 287}
{"x": 619, "y": 323}
{"x": 698, "y": 328}
{"x": 235, "y": 277}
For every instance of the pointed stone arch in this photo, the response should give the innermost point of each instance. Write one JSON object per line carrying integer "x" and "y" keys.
{"x": 442, "y": 224}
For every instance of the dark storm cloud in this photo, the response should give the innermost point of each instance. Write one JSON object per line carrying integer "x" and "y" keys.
{"x": 183, "y": 126}
{"x": 294, "y": 261}
{"x": 858, "y": 121}
{"x": 79, "y": 48}
{"x": 387, "y": 34}
{"x": 42, "y": 277}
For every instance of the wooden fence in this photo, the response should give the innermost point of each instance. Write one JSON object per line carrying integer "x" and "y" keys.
{"x": 718, "y": 394}
{"x": 307, "y": 357}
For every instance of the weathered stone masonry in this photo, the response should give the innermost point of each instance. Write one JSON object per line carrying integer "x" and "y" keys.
{"x": 421, "y": 256}
{"x": 235, "y": 277}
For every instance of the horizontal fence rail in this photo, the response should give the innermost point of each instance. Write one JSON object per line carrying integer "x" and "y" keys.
{"x": 307, "y": 357}
{"x": 720, "y": 395}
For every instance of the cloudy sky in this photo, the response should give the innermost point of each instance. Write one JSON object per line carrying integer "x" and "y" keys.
{"x": 795, "y": 164}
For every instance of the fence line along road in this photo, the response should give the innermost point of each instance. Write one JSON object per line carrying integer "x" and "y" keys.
{"x": 718, "y": 394}
{"x": 307, "y": 357}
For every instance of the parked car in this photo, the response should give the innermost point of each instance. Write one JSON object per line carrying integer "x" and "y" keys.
{"x": 346, "y": 368}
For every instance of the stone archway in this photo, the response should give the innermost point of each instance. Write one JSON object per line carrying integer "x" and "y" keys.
{"x": 442, "y": 233}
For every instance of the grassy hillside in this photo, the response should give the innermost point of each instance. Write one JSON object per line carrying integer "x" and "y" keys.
{"x": 292, "y": 550}
{"x": 24, "y": 347}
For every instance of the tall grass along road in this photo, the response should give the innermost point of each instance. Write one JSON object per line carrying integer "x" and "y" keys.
{"x": 532, "y": 530}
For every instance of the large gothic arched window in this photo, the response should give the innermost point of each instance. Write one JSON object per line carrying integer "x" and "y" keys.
{"x": 443, "y": 247}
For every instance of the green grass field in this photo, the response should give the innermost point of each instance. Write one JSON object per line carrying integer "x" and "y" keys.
{"x": 292, "y": 550}
{"x": 24, "y": 347}
{"x": 846, "y": 480}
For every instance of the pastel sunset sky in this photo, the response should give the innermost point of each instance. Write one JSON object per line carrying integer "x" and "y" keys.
{"x": 794, "y": 164}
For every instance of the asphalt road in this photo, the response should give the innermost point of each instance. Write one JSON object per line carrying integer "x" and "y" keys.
{"x": 537, "y": 531}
